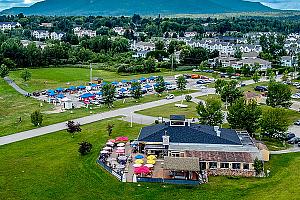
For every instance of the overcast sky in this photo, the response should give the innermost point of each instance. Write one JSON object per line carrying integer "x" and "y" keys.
{"x": 280, "y": 4}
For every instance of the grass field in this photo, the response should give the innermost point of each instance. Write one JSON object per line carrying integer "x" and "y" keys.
{"x": 49, "y": 167}
{"x": 13, "y": 106}
{"x": 51, "y": 78}
{"x": 170, "y": 109}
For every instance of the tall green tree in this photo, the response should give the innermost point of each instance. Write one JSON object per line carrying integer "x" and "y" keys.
{"x": 210, "y": 113}
{"x": 238, "y": 54}
{"x": 181, "y": 83}
{"x": 228, "y": 90}
{"x": 256, "y": 77}
{"x": 36, "y": 118}
{"x": 159, "y": 45}
{"x": 285, "y": 75}
{"x": 274, "y": 123}
{"x": 244, "y": 115}
{"x": 25, "y": 75}
{"x": 108, "y": 94}
{"x": 4, "y": 71}
{"x": 136, "y": 90}
{"x": 279, "y": 95}
{"x": 160, "y": 85}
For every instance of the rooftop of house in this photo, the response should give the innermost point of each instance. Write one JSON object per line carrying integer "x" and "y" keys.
{"x": 189, "y": 133}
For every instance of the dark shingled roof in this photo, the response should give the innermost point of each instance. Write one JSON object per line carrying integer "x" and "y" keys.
{"x": 177, "y": 117}
{"x": 195, "y": 133}
{"x": 218, "y": 156}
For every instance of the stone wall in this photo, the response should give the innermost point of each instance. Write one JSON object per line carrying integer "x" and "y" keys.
{"x": 231, "y": 172}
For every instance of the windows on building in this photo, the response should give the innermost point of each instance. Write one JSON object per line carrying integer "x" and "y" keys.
{"x": 246, "y": 166}
{"x": 236, "y": 165}
{"x": 202, "y": 165}
{"x": 224, "y": 165}
{"x": 212, "y": 165}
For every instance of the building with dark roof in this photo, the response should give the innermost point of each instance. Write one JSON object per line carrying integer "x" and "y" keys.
{"x": 220, "y": 151}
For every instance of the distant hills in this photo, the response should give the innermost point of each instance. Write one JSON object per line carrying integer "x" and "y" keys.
{"x": 142, "y": 7}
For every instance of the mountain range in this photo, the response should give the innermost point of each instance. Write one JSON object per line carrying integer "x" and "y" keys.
{"x": 142, "y": 7}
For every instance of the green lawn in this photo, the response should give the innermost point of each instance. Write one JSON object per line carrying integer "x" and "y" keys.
{"x": 51, "y": 78}
{"x": 49, "y": 167}
{"x": 13, "y": 106}
{"x": 170, "y": 109}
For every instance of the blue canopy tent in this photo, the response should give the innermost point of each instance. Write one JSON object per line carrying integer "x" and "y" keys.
{"x": 122, "y": 90}
{"x": 51, "y": 91}
{"x": 143, "y": 79}
{"x": 124, "y": 81}
{"x": 60, "y": 96}
{"x": 81, "y": 87}
{"x": 86, "y": 95}
{"x": 99, "y": 93}
{"x": 133, "y": 81}
{"x": 115, "y": 83}
{"x": 72, "y": 88}
{"x": 51, "y": 94}
{"x": 94, "y": 85}
{"x": 151, "y": 78}
{"x": 104, "y": 83}
{"x": 59, "y": 89}
{"x": 147, "y": 86}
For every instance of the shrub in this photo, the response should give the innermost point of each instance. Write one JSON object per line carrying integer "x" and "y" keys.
{"x": 85, "y": 148}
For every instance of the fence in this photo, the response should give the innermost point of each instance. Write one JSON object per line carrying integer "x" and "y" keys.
{"x": 170, "y": 181}
{"x": 111, "y": 171}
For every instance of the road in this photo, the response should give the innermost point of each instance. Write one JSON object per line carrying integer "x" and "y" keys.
{"x": 126, "y": 112}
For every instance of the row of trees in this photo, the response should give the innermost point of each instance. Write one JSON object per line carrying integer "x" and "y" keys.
{"x": 246, "y": 114}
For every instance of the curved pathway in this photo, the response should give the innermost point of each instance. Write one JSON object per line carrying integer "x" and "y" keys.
{"x": 15, "y": 86}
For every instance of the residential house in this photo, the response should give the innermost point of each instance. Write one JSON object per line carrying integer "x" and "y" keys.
{"x": 38, "y": 44}
{"x": 57, "y": 35}
{"x": 142, "y": 46}
{"x": 119, "y": 30}
{"x": 218, "y": 151}
{"x": 79, "y": 32}
{"x": 252, "y": 55}
{"x": 140, "y": 54}
{"x": 286, "y": 61}
{"x": 9, "y": 25}
{"x": 46, "y": 25}
{"x": 40, "y": 34}
{"x": 190, "y": 34}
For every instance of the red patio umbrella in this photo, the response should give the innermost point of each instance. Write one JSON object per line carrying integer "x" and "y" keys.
{"x": 122, "y": 139}
{"x": 141, "y": 170}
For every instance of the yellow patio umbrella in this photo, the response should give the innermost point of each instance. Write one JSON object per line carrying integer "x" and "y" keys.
{"x": 151, "y": 157}
{"x": 151, "y": 162}
{"x": 139, "y": 161}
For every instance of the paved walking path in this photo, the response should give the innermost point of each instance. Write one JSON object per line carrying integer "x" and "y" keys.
{"x": 126, "y": 112}
{"x": 15, "y": 86}
{"x": 294, "y": 149}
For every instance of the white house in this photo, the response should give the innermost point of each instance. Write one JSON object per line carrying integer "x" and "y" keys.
{"x": 57, "y": 35}
{"x": 190, "y": 34}
{"x": 140, "y": 54}
{"x": 83, "y": 32}
{"x": 142, "y": 46}
{"x": 40, "y": 34}
{"x": 119, "y": 30}
{"x": 9, "y": 25}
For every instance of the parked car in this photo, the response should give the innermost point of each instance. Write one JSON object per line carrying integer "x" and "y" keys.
{"x": 296, "y": 96}
{"x": 290, "y": 136}
{"x": 294, "y": 140}
{"x": 196, "y": 70}
{"x": 261, "y": 88}
{"x": 297, "y": 123}
{"x": 195, "y": 76}
{"x": 298, "y": 144}
{"x": 201, "y": 82}
{"x": 224, "y": 75}
{"x": 202, "y": 87}
{"x": 171, "y": 87}
{"x": 187, "y": 76}
{"x": 170, "y": 96}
